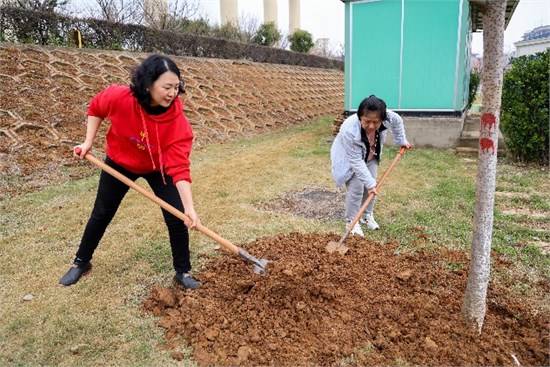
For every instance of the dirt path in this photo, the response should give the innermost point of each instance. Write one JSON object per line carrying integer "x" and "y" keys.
{"x": 374, "y": 306}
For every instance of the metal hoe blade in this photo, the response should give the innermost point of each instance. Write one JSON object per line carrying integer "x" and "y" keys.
{"x": 337, "y": 247}
{"x": 259, "y": 264}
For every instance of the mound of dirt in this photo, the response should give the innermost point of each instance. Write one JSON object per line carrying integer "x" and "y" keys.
{"x": 377, "y": 305}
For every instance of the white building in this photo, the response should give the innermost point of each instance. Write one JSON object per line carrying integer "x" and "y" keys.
{"x": 537, "y": 40}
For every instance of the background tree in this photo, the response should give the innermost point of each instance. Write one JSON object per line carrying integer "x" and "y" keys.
{"x": 41, "y": 5}
{"x": 524, "y": 114}
{"x": 228, "y": 31}
{"x": 301, "y": 41}
{"x": 321, "y": 47}
{"x": 340, "y": 53}
{"x": 283, "y": 42}
{"x": 475, "y": 298}
{"x": 267, "y": 34}
{"x": 177, "y": 14}
{"x": 474, "y": 85}
{"x": 118, "y": 11}
{"x": 198, "y": 27}
{"x": 248, "y": 26}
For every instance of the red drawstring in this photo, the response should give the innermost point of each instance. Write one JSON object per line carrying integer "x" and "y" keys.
{"x": 149, "y": 145}
{"x": 160, "y": 154}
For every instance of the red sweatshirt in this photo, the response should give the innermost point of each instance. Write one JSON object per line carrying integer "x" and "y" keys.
{"x": 144, "y": 143}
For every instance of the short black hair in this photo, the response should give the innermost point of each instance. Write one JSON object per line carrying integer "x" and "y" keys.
{"x": 372, "y": 104}
{"x": 146, "y": 73}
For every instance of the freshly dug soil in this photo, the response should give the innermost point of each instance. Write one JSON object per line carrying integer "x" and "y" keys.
{"x": 377, "y": 305}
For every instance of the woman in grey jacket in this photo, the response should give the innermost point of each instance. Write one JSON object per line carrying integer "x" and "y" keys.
{"x": 356, "y": 152}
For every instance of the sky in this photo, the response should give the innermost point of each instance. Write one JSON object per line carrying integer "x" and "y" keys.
{"x": 325, "y": 19}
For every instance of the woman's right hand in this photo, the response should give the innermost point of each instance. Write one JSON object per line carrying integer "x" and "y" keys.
{"x": 373, "y": 191}
{"x": 82, "y": 149}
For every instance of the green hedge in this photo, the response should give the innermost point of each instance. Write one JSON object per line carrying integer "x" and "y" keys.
{"x": 47, "y": 28}
{"x": 474, "y": 85}
{"x": 524, "y": 112}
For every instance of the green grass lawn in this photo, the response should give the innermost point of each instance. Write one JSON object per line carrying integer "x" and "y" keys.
{"x": 429, "y": 197}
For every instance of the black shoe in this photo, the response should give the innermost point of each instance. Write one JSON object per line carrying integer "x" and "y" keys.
{"x": 75, "y": 272}
{"x": 186, "y": 281}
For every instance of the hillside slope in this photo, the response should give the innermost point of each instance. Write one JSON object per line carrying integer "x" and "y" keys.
{"x": 46, "y": 90}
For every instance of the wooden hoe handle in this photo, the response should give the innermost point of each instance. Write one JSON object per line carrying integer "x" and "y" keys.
{"x": 163, "y": 204}
{"x": 371, "y": 195}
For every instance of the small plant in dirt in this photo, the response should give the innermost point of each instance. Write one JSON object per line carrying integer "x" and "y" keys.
{"x": 401, "y": 362}
{"x": 367, "y": 349}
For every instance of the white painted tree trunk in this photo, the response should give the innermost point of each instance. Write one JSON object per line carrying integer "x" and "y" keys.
{"x": 475, "y": 299}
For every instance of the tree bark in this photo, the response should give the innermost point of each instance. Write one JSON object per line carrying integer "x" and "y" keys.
{"x": 475, "y": 298}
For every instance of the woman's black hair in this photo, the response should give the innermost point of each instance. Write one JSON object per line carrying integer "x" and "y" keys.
{"x": 372, "y": 104}
{"x": 146, "y": 73}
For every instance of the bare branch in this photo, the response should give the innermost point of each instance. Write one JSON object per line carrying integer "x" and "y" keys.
{"x": 120, "y": 11}
{"x": 248, "y": 25}
{"x": 42, "y": 5}
{"x": 169, "y": 14}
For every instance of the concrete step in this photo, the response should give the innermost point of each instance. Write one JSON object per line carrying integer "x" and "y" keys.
{"x": 471, "y": 126}
{"x": 467, "y": 138}
{"x": 474, "y": 152}
{"x": 468, "y": 142}
{"x": 473, "y": 142}
{"x": 470, "y": 134}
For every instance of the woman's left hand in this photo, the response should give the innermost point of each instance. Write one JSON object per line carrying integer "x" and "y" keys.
{"x": 193, "y": 219}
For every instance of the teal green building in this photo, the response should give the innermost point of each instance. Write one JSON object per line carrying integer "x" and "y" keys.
{"x": 414, "y": 54}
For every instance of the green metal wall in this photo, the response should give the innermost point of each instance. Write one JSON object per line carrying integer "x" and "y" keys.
{"x": 412, "y": 53}
{"x": 429, "y": 54}
{"x": 463, "y": 77}
{"x": 375, "y": 45}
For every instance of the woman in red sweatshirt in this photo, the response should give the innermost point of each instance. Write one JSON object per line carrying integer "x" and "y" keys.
{"x": 149, "y": 137}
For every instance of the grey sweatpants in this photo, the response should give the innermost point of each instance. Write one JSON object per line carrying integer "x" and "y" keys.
{"x": 357, "y": 193}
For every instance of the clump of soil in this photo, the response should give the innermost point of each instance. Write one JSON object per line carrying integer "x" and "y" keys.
{"x": 377, "y": 305}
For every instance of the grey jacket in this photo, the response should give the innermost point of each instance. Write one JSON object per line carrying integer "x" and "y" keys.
{"x": 348, "y": 150}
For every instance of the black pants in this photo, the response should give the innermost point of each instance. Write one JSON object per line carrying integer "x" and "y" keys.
{"x": 110, "y": 193}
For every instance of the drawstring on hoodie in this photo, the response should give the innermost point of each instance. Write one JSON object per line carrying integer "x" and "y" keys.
{"x": 160, "y": 154}
{"x": 149, "y": 145}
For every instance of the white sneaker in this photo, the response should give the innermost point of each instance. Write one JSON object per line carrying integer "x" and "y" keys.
{"x": 356, "y": 230}
{"x": 368, "y": 219}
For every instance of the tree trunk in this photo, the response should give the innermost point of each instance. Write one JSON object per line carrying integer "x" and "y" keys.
{"x": 475, "y": 298}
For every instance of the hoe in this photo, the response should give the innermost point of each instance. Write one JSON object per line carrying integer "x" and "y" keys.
{"x": 259, "y": 265}
{"x": 339, "y": 246}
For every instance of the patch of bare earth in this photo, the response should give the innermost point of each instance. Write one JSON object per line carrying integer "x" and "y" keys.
{"x": 369, "y": 307}
{"x": 310, "y": 203}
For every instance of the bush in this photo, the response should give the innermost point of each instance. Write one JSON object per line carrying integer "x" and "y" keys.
{"x": 199, "y": 27}
{"x": 267, "y": 35}
{"x": 229, "y": 32}
{"x": 474, "y": 84}
{"x": 301, "y": 41}
{"x": 524, "y": 112}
